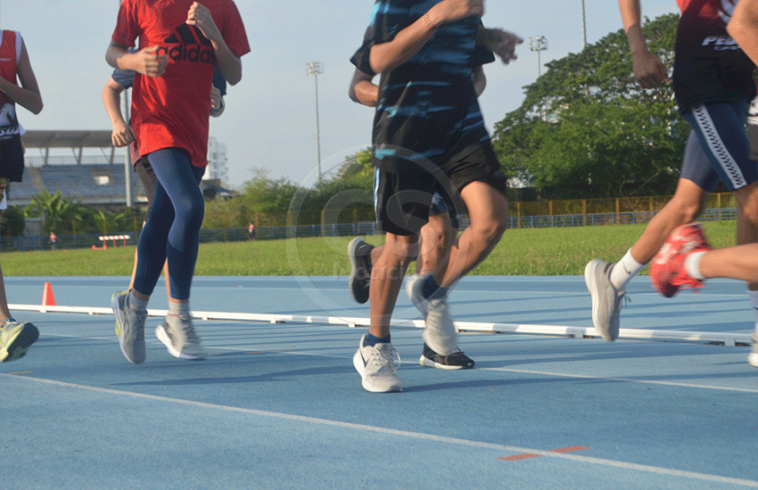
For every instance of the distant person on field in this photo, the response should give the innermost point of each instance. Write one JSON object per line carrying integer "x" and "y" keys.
{"x": 53, "y": 241}
{"x": 251, "y": 230}
{"x": 15, "y": 337}
{"x": 170, "y": 123}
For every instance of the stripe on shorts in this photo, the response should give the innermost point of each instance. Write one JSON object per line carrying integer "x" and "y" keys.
{"x": 717, "y": 147}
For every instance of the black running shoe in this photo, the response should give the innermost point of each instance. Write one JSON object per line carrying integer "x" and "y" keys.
{"x": 455, "y": 360}
{"x": 360, "y": 276}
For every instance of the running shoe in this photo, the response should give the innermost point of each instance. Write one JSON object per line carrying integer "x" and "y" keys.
{"x": 15, "y": 339}
{"x": 130, "y": 328}
{"x": 606, "y": 299}
{"x": 377, "y": 368}
{"x": 360, "y": 276}
{"x": 667, "y": 271}
{"x": 753, "y": 357}
{"x": 455, "y": 360}
{"x": 178, "y": 335}
{"x": 439, "y": 332}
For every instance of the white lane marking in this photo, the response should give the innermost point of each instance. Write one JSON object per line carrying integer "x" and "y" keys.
{"x": 415, "y": 435}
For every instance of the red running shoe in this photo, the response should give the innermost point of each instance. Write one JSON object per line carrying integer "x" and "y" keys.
{"x": 667, "y": 271}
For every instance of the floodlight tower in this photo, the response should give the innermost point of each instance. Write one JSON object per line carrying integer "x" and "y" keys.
{"x": 584, "y": 28}
{"x": 538, "y": 43}
{"x": 316, "y": 68}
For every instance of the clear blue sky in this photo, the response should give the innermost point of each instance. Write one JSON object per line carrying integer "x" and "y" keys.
{"x": 270, "y": 120}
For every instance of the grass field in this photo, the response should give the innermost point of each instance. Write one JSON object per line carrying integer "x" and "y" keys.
{"x": 534, "y": 252}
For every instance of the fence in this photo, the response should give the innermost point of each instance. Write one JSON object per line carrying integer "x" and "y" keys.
{"x": 354, "y": 229}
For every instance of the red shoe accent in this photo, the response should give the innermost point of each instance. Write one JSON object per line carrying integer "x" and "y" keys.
{"x": 667, "y": 271}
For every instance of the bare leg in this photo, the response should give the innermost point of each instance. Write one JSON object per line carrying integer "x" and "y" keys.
{"x": 436, "y": 239}
{"x": 3, "y": 299}
{"x": 683, "y": 208}
{"x": 386, "y": 279}
{"x": 488, "y": 211}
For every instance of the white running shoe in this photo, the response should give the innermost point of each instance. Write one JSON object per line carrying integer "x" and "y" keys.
{"x": 377, "y": 367}
{"x": 753, "y": 357}
{"x": 439, "y": 334}
{"x": 178, "y": 335}
{"x": 606, "y": 299}
{"x": 130, "y": 328}
{"x": 15, "y": 339}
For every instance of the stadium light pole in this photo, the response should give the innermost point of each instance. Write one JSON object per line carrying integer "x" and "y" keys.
{"x": 584, "y": 28}
{"x": 538, "y": 43}
{"x": 316, "y": 68}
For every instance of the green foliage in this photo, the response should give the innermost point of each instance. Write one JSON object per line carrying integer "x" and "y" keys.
{"x": 586, "y": 129}
{"x": 279, "y": 202}
{"x": 12, "y": 222}
{"x": 57, "y": 213}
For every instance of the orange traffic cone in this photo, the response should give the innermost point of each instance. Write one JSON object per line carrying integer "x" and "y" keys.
{"x": 47, "y": 296}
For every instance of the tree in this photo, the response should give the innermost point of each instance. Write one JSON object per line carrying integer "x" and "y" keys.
{"x": 57, "y": 212}
{"x": 586, "y": 128}
{"x": 12, "y": 222}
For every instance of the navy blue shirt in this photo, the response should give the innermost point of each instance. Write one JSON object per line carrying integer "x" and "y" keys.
{"x": 427, "y": 107}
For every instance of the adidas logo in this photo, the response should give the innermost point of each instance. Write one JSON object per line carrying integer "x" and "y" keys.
{"x": 189, "y": 45}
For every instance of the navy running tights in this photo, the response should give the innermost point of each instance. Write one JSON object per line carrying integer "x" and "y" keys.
{"x": 172, "y": 229}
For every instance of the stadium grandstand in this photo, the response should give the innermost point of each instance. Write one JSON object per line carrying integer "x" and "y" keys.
{"x": 85, "y": 166}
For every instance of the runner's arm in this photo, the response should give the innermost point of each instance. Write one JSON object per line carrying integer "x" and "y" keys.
{"x": 649, "y": 70}
{"x": 744, "y": 27}
{"x": 28, "y": 94}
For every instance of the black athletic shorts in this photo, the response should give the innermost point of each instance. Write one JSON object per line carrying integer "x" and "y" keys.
{"x": 402, "y": 199}
{"x": 12, "y": 158}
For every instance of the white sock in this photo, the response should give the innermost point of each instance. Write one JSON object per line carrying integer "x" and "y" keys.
{"x": 137, "y": 304}
{"x": 753, "y": 295}
{"x": 692, "y": 265}
{"x": 178, "y": 308}
{"x": 624, "y": 270}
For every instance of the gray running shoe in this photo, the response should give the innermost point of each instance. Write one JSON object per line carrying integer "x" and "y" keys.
{"x": 606, "y": 299}
{"x": 439, "y": 333}
{"x": 377, "y": 367}
{"x": 753, "y": 357}
{"x": 130, "y": 328}
{"x": 178, "y": 335}
{"x": 360, "y": 275}
{"x": 15, "y": 339}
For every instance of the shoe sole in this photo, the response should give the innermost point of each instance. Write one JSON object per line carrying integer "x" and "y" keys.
{"x": 426, "y": 362}
{"x": 358, "y": 364}
{"x": 160, "y": 332}
{"x": 19, "y": 346}
{"x": 589, "y": 276}
{"x": 354, "y": 262}
{"x": 119, "y": 326}
{"x": 752, "y": 359}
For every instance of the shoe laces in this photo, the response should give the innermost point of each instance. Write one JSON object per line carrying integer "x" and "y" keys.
{"x": 384, "y": 359}
{"x": 185, "y": 323}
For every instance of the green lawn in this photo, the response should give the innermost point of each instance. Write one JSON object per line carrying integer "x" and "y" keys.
{"x": 535, "y": 252}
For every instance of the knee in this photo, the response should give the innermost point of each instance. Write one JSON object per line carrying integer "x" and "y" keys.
{"x": 191, "y": 212}
{"x": 491, "y": 230}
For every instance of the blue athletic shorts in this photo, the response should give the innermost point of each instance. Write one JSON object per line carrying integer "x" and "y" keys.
{"x": 720, "y": 129}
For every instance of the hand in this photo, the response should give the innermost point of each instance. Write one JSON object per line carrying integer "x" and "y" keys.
{"x": 453, "y": 10}
{"x": 122, "y": 134}
{"x": 502, "y": 43}
{"x": 215, "y": 98}
{"x": 200, "y": 17}
{"x": 150, "y": 63}
{"x": 649, "y": 70}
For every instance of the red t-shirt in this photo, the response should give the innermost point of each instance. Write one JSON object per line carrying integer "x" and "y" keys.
{"x": 172, "y": 111}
